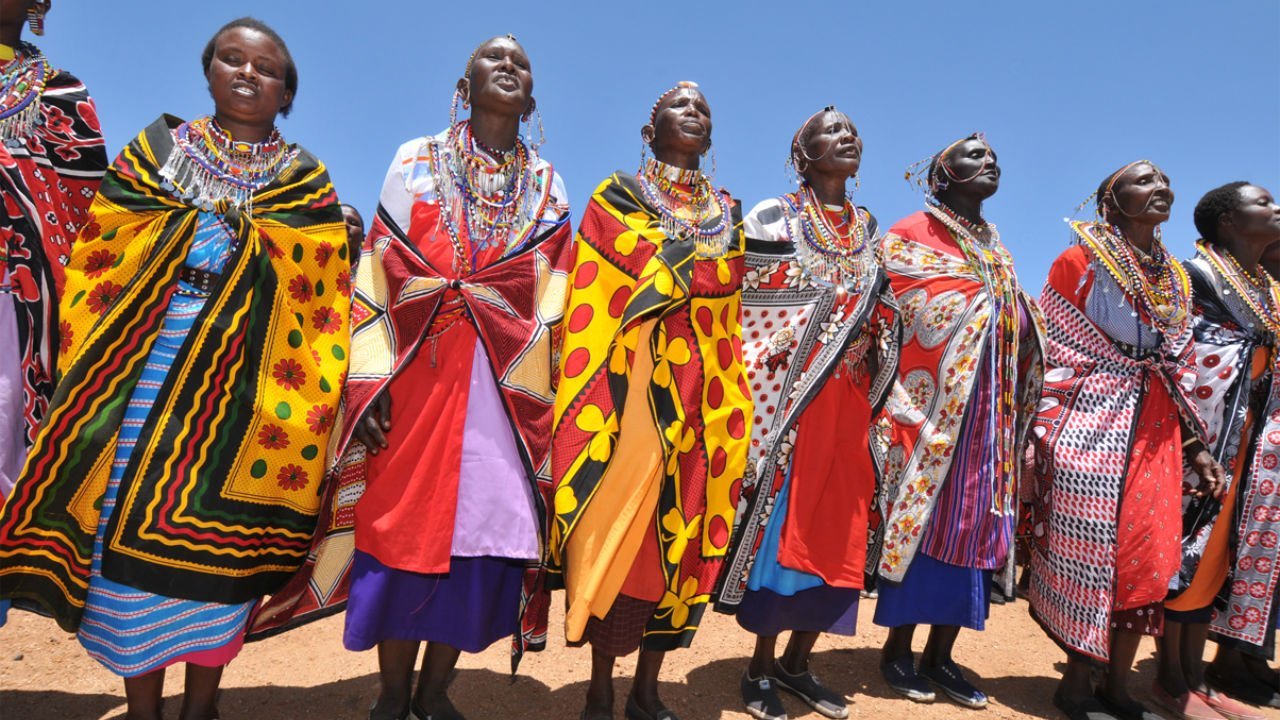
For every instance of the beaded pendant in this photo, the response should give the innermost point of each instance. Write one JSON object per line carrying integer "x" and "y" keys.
{"x": 826, "y": 255}
{"x": 22, "y": 83}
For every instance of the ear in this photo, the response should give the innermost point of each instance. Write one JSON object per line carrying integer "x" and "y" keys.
{"x": 464, "y": 89}
{"x": 533, "y": 105}
{"x": 647, "y": 134}
{"x": 286, "y": 99}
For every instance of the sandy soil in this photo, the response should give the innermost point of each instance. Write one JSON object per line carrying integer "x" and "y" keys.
{"x": 307, "y": 674}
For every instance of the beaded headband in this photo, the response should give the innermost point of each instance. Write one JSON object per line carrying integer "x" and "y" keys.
{"x": 924, "y": 173}
{"x": 1111, "y": 183}
{"x": 682, "y": 85}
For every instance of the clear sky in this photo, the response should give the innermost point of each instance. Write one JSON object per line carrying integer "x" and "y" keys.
{"x": 1066, "y": 91}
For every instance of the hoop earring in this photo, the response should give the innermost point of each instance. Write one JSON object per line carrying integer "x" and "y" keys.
{"x": 644, "y": 154}
{"x": 542, "y": 134}
{"x": 711, "y": 177}
{"x": 35, "y": 18}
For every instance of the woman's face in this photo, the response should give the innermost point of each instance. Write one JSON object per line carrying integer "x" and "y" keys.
{"x": 830, "y": 146}
{"x": 501, "y": 79}
{"x": 681, "y": 124}
{"x": 1256, "y": 217}
{"x": 1141, "y": 193}
{"x": 247, "y": 78}
{"x": 973, "y": 166}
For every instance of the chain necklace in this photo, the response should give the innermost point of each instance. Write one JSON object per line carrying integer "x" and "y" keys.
{"x": 826, "y": 254}
{"x": 496, "y": 196}
{"x": 1156, "y": 281}
{"x": 991, "y": 262}
{"x": 22, "y": 83}
{"x": 1260, "y": 293}
{"x": 207, "y": 165}
{"x": 686, "y": 201}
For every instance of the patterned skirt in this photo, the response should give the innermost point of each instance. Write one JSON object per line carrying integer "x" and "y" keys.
{"x": 130, "y": 631}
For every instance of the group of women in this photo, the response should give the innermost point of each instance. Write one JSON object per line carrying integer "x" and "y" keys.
{"x": 674, "y": 408}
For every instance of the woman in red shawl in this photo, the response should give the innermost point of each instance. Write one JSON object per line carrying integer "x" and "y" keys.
{"x": 1112, "y": 431}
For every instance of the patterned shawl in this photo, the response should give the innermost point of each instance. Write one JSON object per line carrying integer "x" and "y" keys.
{"x": 1083, "y": 432}
{"x": 516, "y": 305}
{"x": 220, "y": 497}
{"x": 946, "y": 320}
{"x": 47, "y": 181}
{"x": 817, "y": 325}
{"x": 698, "y": 394}
{"x": 1227, "y": 337}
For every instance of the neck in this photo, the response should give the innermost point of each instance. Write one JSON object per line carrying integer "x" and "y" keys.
{"x": 1139, "y": 235}
{"x": 1246, "y": 254}
{"x": 968, "y": 208}
{"x": 244, "y": 132}
{"x": 683, "y": 160}
{"x": 828, "y": 190}
{"x": 11, "y": 33}
{"x": 499, "y": 132}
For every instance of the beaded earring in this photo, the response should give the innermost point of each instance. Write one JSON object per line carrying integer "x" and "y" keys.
{"x": 542, "y": 134}
{"x": 712, "y": 175}
{"x": 35, "y": 18}
{"x": 453, "y": 110}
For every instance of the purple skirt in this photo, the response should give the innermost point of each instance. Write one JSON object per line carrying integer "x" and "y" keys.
{"x": 935, "y": 593}
{"x": 472, "y": 606}
{"x": 823, "y": 609}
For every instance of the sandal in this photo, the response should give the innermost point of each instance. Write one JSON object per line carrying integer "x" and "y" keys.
{"x": 1089, "y": 708}
{"x": 635, "y": 712}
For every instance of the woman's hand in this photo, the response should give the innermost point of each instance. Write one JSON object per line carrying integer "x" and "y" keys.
{"x": 373, "y": 425}
{"x": 1213, "y": 478}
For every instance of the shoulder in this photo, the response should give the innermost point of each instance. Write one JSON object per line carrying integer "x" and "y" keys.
{"x": 767, "y": 220}
{"x": 914, "y": 226}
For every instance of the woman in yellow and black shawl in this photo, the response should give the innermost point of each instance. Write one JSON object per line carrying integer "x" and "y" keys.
{"x": 645, "y": 499}
{"x": 176, "y": 477}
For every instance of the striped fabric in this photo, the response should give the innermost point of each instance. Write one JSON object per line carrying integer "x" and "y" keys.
{"x": 130, "y": 631}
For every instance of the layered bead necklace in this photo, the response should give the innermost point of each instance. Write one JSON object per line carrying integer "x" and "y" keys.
{"x": 829, "y": 253}
{"x": 488, "y": 192}
{"x": 1154, "y": 280}
{"x": 208, "y": 166}
{"x": 22, "y": 83}
{"x": 686, "y": 202}
{"x": 1259, "y": 293}
{"x": 991, "y": 262}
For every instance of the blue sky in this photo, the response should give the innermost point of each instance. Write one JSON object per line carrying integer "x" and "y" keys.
{"x": 1066, "y": 91}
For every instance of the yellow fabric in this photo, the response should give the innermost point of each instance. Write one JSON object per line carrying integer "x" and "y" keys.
{"x": 611, "y": 530}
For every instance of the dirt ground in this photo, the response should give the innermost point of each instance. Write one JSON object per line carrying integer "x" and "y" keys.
{"x": 306, "y": 673}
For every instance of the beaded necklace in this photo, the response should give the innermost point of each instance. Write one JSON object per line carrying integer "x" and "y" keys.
{"x": 991, "y": 262}
{"x": 683, "y": 213}
{"x": 487, "y": 192}
{"x": 1155, "y": 281}
{"x": 22, "y": 83}
{"x": 826, "y": 254}
{"x": 1260, "y": 293}
{"x": 208, "y": 166}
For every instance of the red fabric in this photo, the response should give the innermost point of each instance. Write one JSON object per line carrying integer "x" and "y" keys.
{"x": 832, "y": 484}
{"x": 1148, "y": 545}
{"x": 428, "y": 412}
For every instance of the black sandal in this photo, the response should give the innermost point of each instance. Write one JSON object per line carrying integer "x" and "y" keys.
{"x": 1090, "y": 708}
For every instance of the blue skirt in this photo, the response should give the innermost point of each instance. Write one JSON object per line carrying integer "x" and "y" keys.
{"x": 935, "y": 593}
{"x": 823, "y": 609}
{"x": 472, "y": 606}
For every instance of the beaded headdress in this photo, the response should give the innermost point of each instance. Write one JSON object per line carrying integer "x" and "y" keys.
{"x": 682, "y": 85}
{"x": 932, "y": 174}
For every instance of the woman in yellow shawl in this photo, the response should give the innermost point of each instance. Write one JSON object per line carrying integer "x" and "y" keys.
{"x": 645, "y": 499}
{"x": 176, "y": 477}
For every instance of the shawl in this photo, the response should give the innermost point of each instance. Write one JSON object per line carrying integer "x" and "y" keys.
{"x": 219, "y": 500}
{"x": 627, "y": 272}
{"x": 946, "y": 321}
{"x": 47, "y": 180}
{"x": 807, "y": 327}
{"x": 1241, "y": 434}
{"x": 516, "y": 305}
{"x": 1084, "y": 432}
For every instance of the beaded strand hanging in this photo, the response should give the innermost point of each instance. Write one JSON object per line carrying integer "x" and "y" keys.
{"x": 991, "y": 262}
{"x": 1156, "y": 281}
{"x": 22, "y": 83}
{"x": 1259, "y": 292}
{"x": 208, "y": 166}
{"x": 829, "y": 254}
